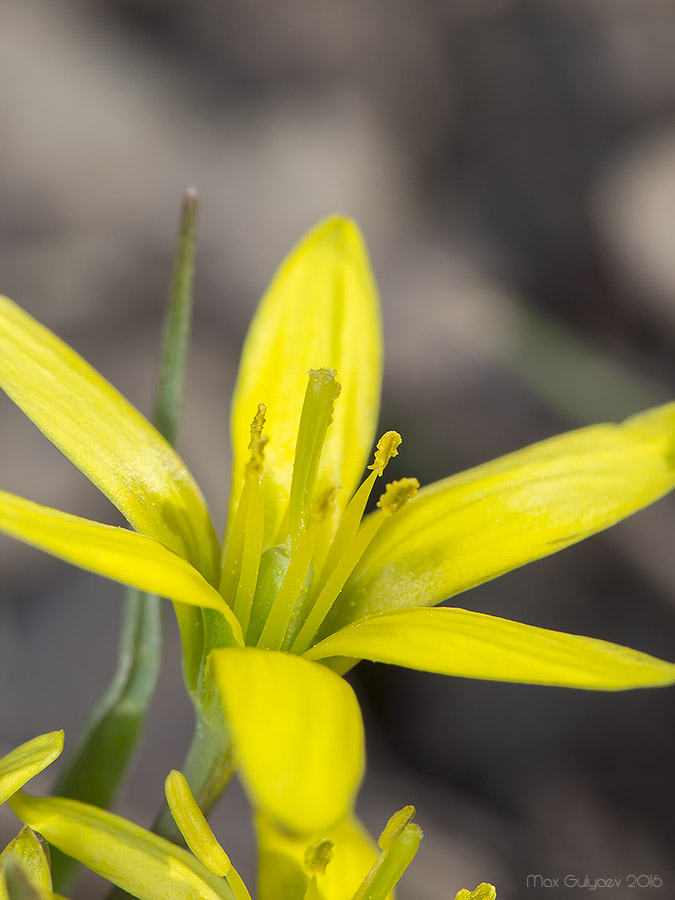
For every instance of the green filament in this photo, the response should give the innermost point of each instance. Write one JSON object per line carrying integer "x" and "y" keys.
{"x": 390, "y": 865}
{"x": 317, "y": 414}
{"x": 252, "y": 548}
{"x": 335, "y": 583}
{"x": 273, "y": 633}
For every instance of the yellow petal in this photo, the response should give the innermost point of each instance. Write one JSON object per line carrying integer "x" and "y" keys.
{"x": 33, "y": 855}
{"x": 116, "y": 553}
{"x": 282, "y": 873}
{"x": 459, "y": 642}
{"x": 22, "y": 764}
{"x": 320, "y": 311}
{"x": 192, "y": 824}
{"x": 105, "y": 437}
{"x": 481, "y": 523}
{"x": 298, "y": 735}
{"x": 145, "y": 865}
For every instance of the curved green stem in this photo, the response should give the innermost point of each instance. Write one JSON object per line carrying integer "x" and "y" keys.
{"x": 208, "y": 768}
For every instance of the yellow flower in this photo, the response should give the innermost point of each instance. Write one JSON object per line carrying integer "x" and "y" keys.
{"x": 301, "y": 575}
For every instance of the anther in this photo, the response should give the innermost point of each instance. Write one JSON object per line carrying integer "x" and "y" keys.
{"x": 254, "y": 466}
{"x": 324, "y": 503}
{"x": 387, "y": 448}
{"x": 257, "y": 425}
{"x": 397, "y": 494}
{"x": 318, "y": 855}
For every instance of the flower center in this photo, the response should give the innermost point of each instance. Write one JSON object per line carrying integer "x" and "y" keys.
{"x": 282, "y": 594}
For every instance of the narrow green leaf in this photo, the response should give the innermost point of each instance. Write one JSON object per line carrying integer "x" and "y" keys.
{"x": 113, "y": 728}
{"x": 110, "y": 735}
{"x": 177, "y": 324}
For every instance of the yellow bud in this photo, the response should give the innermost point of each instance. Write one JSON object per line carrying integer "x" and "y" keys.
{"x": 387, "y": 448}
{"x": 397, "y": 494}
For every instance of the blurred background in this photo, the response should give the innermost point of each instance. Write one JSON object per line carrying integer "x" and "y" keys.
{"x": 512, "y": 165}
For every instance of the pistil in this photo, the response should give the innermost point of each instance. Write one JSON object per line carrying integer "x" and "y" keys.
{"x": 317, "y": 413}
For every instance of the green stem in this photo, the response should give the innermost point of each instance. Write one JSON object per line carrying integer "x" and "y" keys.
{"x": 110, "y": 734}
{"x": 209, "y": 767}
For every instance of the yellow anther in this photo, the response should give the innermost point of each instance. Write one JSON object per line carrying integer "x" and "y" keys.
{"x": 326, "y": 379}
{"x": 254, "y": 466}
{"x": 324, "y": 503}
{"x": 397, "y": 494}
{"x": 395, "y": 826}
{"x": 257, "y": 425}
{"x": 387, "y": 448}
{"x": 484, "y": 891}
{"x": 317, "y": 856}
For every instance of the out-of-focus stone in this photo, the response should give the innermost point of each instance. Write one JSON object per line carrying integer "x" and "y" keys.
{"x": 634, "y": 207}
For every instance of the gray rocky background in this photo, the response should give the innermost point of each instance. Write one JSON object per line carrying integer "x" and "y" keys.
{"x": 512, "y": 164}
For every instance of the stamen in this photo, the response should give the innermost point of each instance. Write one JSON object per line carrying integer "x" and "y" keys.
{"x": 395, "y": 825}
{"x": 397, "y": 494}
{"x": 387, "y": 447}
{"x": 257, "y": 424}
{"x": 234, "y": 548}
{"x": 394, "y": 499}
{"x": 244, "y": 545}
{"x": 252, "y": 549}
{"x": 391, "y": 864}
{"x": 254, "y": 467}
{"x": 351, "y": 518}
{"x": 273, "y": 633}
{"x": 317, "y": 413}
{"x": 237, "y": 885}
{"x": 193, "y": 825}
{"x": 318, "y": 855}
